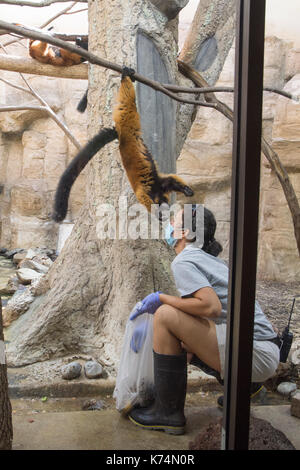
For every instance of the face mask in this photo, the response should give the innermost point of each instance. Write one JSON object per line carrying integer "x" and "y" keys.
{"x": 171, "y": 241}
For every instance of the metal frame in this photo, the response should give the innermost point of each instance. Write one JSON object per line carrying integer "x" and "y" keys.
{"x": 244, "y": 221}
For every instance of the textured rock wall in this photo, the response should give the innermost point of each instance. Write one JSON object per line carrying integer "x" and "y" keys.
{"x": 206, "y": 161}
{"x": 34, "y": 152}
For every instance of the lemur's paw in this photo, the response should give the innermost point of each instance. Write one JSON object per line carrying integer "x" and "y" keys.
{"x": 81, "y": 42}
{"x": 187, "y": 191}
{"x": 128, "y": 72}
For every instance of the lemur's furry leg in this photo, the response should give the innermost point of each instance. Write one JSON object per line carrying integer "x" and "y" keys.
{"x": 175, "y": 183}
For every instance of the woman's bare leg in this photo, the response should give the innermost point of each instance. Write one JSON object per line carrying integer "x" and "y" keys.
{"x": 172, "y": 327}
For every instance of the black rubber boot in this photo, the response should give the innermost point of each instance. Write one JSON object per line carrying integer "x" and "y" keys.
{"x": 195, "y": 361}
{"x": 256, "y": 388}
{"x": 167, "y": 412}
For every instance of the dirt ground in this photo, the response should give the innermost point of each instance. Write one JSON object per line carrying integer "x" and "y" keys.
{"x": 276, "y": 300}
{"x": 262, "y": 436}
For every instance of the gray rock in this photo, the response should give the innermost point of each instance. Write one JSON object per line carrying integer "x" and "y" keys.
{"x": 93, "y": 405}
{"x": 71, "y": 371}
{"x": 26, "y": 275}
{"x": 286, "y": 388}
{"x": 31, "y": 264}
{"x": 17, "y": 305}
{"x": 9, "y": 254}
{"x": 93, "y": 370}
{"x": 11, "y": 286}
{"x": 18, "y": 257}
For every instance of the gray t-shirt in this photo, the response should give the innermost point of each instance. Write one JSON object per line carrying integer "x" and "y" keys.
{"x": 193, "y": 269}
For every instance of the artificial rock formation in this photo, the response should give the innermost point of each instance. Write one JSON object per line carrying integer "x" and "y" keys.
{"x": 94, "y": 283}
{"x": 34, "y": 152}
{"x": 205, "y": 161}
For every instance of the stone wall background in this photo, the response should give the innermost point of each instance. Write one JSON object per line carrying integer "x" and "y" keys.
{"x": 206, "y": 161}
{"x": 34, "y": 152}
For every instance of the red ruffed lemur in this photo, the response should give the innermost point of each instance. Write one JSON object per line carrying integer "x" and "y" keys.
{"x": 149, "y": 185}
{"x": 47, "y": 54}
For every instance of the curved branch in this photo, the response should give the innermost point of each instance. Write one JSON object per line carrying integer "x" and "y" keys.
{"x": 93, "y": 59}
{"x": 45, "y": 106}
{"x": 48, "y": 111}
{"x": 267, "y": 150}
{"x": 42, "y": 3}
{"x": 224, "y": 89}
{"x": 22, "y": 107}
{"x": 78, "y": 71}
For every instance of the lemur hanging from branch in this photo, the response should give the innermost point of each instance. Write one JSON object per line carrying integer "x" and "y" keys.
{"x": 149, "y": 186}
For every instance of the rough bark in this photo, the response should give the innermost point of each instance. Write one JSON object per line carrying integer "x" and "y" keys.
{"x": 205, "y": 49}
{"x": 169, "y": 8}
{"x": 95, "y": 283}
{"x": 6, "y": 431}
{"x": 210, "y": 38}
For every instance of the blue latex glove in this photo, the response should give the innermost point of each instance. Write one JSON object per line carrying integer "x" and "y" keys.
{"x": 149, "y": 304}
{"x": 138, "y": 336}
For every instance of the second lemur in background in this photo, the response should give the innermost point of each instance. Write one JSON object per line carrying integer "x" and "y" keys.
{"x": 149, "y": 185}
{"x": 48, "y": 54}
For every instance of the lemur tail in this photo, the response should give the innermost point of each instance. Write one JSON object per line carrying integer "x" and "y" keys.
{"x": 82, "y": 105}
{"x": 78, "y": 163}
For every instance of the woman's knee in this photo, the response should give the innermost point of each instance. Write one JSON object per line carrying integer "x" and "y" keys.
{"x": 164, "y": 315}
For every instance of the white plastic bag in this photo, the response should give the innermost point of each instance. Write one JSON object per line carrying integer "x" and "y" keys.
{"x": 135, "y": 378}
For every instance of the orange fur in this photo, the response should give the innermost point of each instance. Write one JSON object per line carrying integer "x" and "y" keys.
{"x": 149, "y": 185}
{"x": 47, "y": 54}
{"x": 132, "y": 147}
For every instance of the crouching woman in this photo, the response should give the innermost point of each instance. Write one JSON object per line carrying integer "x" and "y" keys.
{"x": 195, "y": 323}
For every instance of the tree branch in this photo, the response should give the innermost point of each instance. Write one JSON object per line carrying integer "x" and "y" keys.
{"x": 93, "y": 59}
{"x": 4, "y": 109}
{"x": 31, "y": 66}
{"x": 267, "y": 150}
{"x": 42, "y": 3}
{"x": 45, "y": 106}
{"x": 224, "y": 89}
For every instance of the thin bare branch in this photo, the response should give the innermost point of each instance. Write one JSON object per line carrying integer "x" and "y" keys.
{"x": 42, "y": 3}
{"x": 45, "y": 105}
{"x": 169, "y": 90}
{"x": 93, "y": 59}
{"x": 4, "y": 109}
{"x": 267, "y": 150}
{"x": 77, "y": 11}
{"x": 282, "y": 93}
{"x": 224, "y": 89}
{"x": 47, "y": 111}
{"x": 60, "y": 13}
{"x": 15, "y": 86}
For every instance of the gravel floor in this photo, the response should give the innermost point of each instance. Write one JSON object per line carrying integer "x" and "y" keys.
{"x": 276, "y": 301}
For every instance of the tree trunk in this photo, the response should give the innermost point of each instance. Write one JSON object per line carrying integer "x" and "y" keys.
{"x": 6, "y": 431}
{"x": 205, "y": 48}
{"x": 95, "y": 283}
